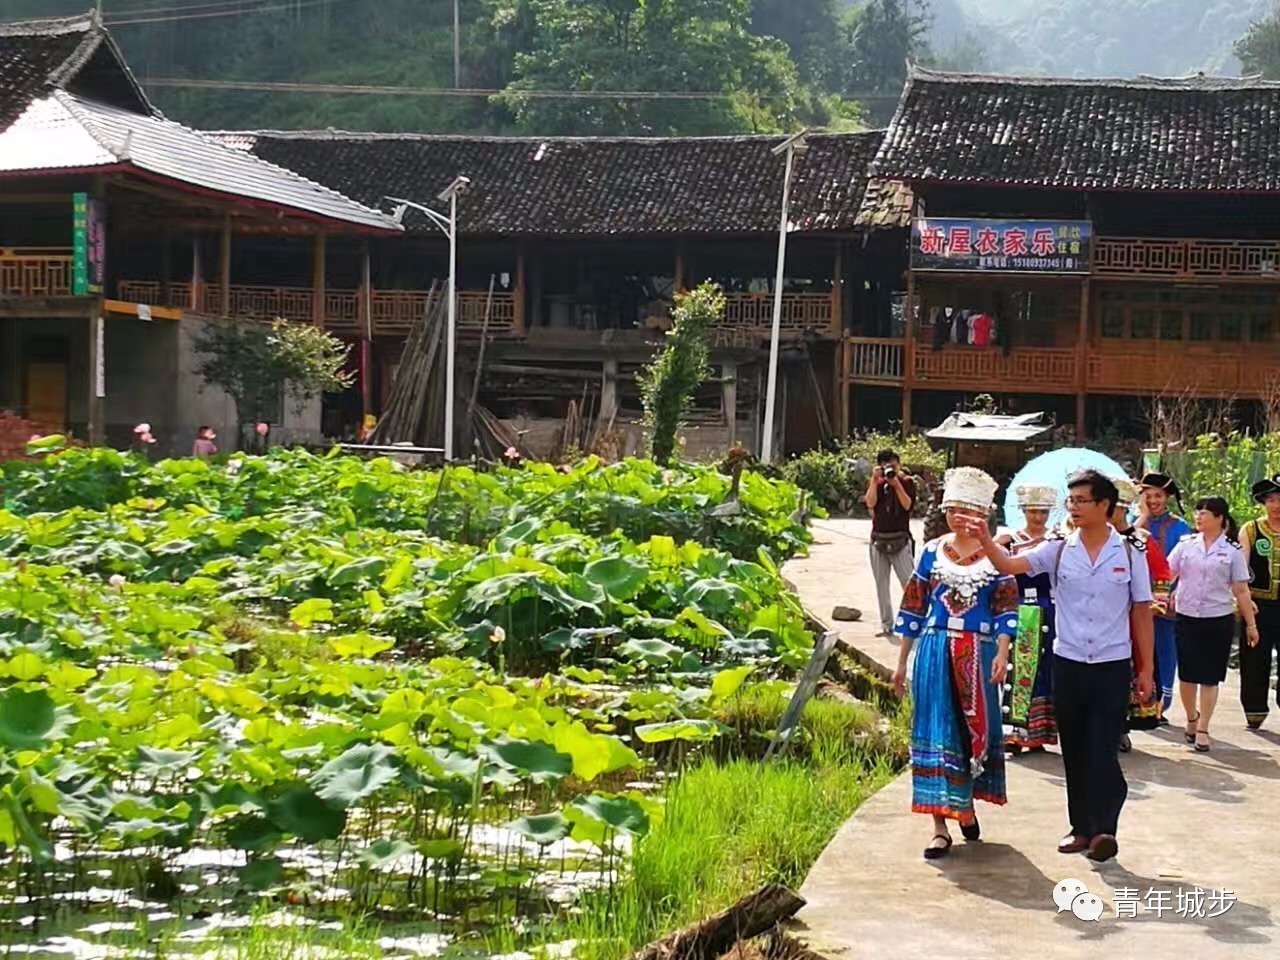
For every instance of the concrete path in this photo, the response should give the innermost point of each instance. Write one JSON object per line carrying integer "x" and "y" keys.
{"x": 1210, "y": 821}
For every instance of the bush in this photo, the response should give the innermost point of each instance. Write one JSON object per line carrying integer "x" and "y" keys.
{"x": 838, "y": 478}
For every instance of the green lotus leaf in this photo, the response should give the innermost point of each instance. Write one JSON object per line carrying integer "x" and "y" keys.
{"x": 302, "y": 813}
{"x": 653, "y": 651}
{"x": 252, "y": 833}
{"x": 154, "y": 762}
{"x": 727, "y": 682}
{"x": 27, "y": 718}
{"x": 445, "y": 848}
{"x": 312, "y": 611}
{"x": 695, "y": 730}
{"x": 261, "y": 874}
{"x": 618, "y": 813}
{"x": 540, "y": 762}
{"x": 543, "y": 829}
{"x": 359, "y": 772}
{"x": 620, "y": 577}
{"x": 382, "y": 854}
{"x": 358, "y": 571}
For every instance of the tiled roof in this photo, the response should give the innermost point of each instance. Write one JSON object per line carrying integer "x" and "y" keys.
{"x": 64, "y": 131}
{"x": 588, "y": 187}
{"x": 1192, "y": 134}
{"x": 38, "y": 56}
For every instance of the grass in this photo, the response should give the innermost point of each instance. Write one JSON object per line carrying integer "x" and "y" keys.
{"x": 729, "y": 828}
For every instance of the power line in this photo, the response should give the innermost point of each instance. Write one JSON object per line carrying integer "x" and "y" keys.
{"x": 178, "y": 8}
{"x": 241, "y": 12}
{"x": 365, "y": 90}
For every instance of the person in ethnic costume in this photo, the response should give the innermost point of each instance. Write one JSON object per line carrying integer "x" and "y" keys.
{"x": 1144, "y": 714}
{"x": 1260, "y": 540}
{"x": 960, "y": 615}
{"x": 1029, "y": 693}
{"x": 1166, "y": 529}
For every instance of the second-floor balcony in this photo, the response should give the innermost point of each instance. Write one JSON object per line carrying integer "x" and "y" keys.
{"x": 35, "y": 272}
{"x": 1110, "y": 366}
{"x": 748, "y": 316}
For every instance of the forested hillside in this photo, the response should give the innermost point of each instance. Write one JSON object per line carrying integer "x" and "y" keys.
{"x": 538, "y": 66}
{"x": 684, "y": 66}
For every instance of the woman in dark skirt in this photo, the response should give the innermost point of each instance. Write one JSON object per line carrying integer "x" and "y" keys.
{"x": 1211, "y": 570}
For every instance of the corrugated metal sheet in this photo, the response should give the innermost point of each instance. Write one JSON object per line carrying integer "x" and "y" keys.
{"x": 64, "y": 131}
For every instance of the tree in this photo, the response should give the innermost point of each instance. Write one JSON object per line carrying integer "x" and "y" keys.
{"x": 669, "y": 382}
{"x": 256, "y": 363}
{"x": 883, "y": 35}
{"x": 671, "y": 46}
{"x": 811, "y": 31}
{"x": 1259, "y": 48}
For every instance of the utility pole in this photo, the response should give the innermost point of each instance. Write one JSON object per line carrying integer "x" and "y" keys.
{"x": 457, "y": 48}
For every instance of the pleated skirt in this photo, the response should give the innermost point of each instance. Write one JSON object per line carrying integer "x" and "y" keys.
{"x": 941, "y": 782}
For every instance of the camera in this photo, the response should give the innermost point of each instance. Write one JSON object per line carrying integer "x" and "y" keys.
{"x": 889, "y": 473}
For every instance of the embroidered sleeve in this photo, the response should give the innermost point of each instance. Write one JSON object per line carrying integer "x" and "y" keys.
{"x": 1161, "y": 576}
{"x": 1004, "y": 606}
{"x": 915, "y": 599}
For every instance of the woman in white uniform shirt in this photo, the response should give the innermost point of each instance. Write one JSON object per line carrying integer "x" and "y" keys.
{"x": 1210, "y": 569}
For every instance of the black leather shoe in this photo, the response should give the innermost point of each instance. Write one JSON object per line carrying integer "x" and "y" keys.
{"x": 1102, "y": 847}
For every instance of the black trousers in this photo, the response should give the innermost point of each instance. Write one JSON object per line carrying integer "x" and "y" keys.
{"x": 1090, "y": 704}
{"x": 1255, "y": 663}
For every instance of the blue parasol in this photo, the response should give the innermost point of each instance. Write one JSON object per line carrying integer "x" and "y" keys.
{"x": 1051, "y": 470}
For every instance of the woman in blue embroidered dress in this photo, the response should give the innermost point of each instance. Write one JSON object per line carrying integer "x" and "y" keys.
{"x": 1029, "y": 690}
{"x": 960, "y": 615}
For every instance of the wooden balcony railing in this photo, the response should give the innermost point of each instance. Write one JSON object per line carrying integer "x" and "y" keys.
{"x": 875, "y": 359}
{"x": 35, "y": 272}
{"x": 801, "y": 313}
{"x": 1209, "y": 370}
{"x": 1186, "y": 259}
{"x": 393, "y": 311}
{"x": 1023, "y": 369}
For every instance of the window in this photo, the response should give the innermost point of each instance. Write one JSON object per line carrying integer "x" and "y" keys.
{"x": 1199, "y": 315}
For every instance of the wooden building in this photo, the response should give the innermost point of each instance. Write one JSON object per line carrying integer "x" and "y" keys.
{"x": 585, "y": 242}
{"x": 1120, "y": 237}
{"x": 98, "y": 189}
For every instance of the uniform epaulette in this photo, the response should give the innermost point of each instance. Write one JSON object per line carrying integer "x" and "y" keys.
{"x": 1056, "y": 533}
{"x": 1187, "y": 536}
{"x": 1137, "y": 540}
{"x": 1234, "y": 543}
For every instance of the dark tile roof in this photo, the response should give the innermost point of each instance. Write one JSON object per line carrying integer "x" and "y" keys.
{"x": 1192, "y": 134}
{"x": 76, "y": 54}
{"x": 588, "y": 186}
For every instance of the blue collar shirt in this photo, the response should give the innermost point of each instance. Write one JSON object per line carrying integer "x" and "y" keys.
{"x": 1092, "y": 598}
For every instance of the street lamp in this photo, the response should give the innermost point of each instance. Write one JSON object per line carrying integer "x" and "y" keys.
{"x": 449, "y": 227}
{"x": 793, "y": 147}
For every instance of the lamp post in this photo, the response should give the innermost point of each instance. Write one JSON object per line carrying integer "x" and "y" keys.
{"x": 449, "y": 227}
{"x": 793, "y": 147}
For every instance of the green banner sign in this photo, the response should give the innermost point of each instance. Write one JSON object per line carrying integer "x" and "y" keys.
{"x": 88, "y": 267}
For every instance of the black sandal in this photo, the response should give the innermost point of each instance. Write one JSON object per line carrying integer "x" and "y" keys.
{"x": 971, "y": 831}
{"x": 1191, "y": 736}
{"x": 1125, "y": 744}
{"x": 937, "y": 853}
{"x": 1201, "y": 747}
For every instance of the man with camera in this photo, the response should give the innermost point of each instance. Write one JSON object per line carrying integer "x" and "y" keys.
{"x": 891, "y": 496}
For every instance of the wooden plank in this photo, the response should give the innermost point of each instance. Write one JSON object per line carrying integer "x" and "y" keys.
{"x": 131, "y": 310}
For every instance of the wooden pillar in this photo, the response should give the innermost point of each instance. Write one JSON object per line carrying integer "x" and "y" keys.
{"x": 366, "y": 330}
{"x": 729, "y": 399}
{"x": 520, "y": 293}
{"x": 318, "y": 251}
{"x": 837, "y": 293}
{"x": 1082, "y": 358}
{"x": 166, "y": 269}
{"x": 224, "y": 269}
{"x": 197, "y": 270}
{"x": 679, "y": 269}
{"x": 609, "y": 392}
{"x": 908, "y": 350}
{"x": 534, "y": 318}
{"x": 96, "y": 412}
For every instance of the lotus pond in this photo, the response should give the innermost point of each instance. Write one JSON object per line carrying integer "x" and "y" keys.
{"x": 335, "y": 707}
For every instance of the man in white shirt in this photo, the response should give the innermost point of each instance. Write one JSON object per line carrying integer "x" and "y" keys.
{"x": 1102, "y": 598}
